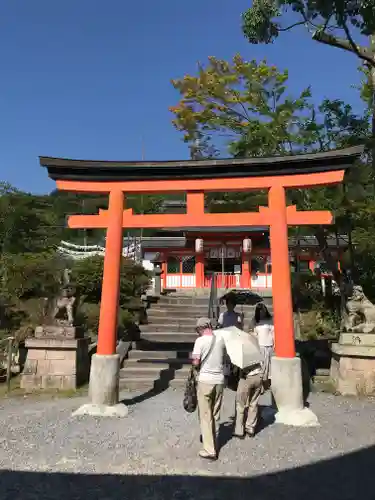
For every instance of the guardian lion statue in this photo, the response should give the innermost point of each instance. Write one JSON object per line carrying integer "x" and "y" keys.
{"x": 61, "y": 309}
{"x": 359, "y": 314}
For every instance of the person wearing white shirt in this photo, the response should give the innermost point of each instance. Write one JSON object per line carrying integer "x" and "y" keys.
{"x": 264, "y": 331}
{"x": 208, "y": 358}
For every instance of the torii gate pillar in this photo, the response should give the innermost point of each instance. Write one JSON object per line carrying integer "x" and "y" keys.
{"x": 286, "y": 369}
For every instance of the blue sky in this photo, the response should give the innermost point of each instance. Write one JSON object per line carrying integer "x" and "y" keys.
{"x": 89, "y": 78}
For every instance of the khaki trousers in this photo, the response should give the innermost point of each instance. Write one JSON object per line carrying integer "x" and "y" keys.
{"x": 247, "y": 397}
{"x": 210, "y": 398}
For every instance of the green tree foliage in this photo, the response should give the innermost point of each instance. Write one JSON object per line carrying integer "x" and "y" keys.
{"x": 31, "y": 227}
{"x": 28, "y": 223}
{"x": 336, "y": 23}
{"x": 339, "y": 23}
{"x": 243, "y": 102}
{"x": 248, "y": 104}
{"x": 87, "y": 275}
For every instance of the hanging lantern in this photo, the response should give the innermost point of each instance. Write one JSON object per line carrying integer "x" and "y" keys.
{"x": 246, "y": 245}
{"x": 199, "y": 245}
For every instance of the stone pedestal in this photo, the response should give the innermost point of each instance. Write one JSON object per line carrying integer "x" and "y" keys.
{"x": 353, "y": 364}
{"x": 56, "y": 363}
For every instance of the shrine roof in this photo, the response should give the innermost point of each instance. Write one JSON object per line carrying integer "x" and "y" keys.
{"x": 107, "y": 171}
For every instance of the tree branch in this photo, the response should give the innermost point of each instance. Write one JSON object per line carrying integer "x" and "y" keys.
{"x": 362, "y": 52}
{"x": 300, "y": 23}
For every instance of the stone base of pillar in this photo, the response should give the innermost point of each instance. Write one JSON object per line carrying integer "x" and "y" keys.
{"x": 104, "y": 388}
{"x": 286, "y": 377}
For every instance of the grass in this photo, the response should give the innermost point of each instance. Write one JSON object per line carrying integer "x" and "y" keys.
{"x": 17, "y": 392}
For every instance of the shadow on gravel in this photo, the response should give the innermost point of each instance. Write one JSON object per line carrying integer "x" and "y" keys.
{"x": 347, "y": 477}
{"x": 267, "y": 417}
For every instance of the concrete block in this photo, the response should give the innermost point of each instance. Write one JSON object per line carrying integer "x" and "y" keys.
{"x": 68, "y": 382}
{"x": 31, "y": 367}
{"x": 58, "y": 363}
{"x": 43, "y": 367}
{"x": 36, "y": 354}
{"x": 104, "y": 379}
{"x": 351, "y": 383}
{"x": 62, "y": 367}
{"x": 287, "y": 389}
{"x": 30, "y": 382}
{"x": 51, "y": 382}
{"x": 61, "y": 355}
{"x": 356, "y": 370}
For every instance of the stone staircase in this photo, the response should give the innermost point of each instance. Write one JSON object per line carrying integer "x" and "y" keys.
{"x": 161, "y": 358}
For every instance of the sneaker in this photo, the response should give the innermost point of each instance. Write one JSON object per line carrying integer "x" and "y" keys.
{"x": 207, "y": 456}
{"x": 239, "y": 436}
{"x": 250, "y": 433}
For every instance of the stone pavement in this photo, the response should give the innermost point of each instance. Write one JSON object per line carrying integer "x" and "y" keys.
{"x": 152, "y": 454}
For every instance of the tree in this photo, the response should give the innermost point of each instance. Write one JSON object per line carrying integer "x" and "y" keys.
{"x": 341, "y": 24}
{"x": 242, "y": 104}
{"x": 333, "y": 22}
{"x": 28, "y": 223}
{"x": 247, "y": 103}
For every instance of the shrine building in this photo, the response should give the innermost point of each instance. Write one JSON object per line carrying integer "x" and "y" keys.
{"x": 239, "y": 256}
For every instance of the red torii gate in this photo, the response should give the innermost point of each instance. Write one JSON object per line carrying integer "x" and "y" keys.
{"x": 196, "y": 178}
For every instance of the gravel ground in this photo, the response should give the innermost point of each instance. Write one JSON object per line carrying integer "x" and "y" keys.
{"x": 152, "y": 454}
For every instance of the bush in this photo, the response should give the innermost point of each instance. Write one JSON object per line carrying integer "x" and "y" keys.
{"x": 87, "y": 274}
{"x": 30, "y": 275}
{"x": 318, "y": 324}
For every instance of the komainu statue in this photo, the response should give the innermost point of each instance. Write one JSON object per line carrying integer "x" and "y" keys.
{"x": 61, "y": 309}
{"x": 359, "y": 314}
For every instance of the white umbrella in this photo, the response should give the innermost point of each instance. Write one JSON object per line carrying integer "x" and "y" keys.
{"x": 242, "y": 348}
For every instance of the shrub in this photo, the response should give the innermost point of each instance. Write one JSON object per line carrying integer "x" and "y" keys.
{"x": 30, "y": 275}
{"x": 87, "y": 274}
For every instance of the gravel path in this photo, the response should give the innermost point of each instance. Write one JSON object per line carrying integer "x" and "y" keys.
{"x": 152, "y": 454}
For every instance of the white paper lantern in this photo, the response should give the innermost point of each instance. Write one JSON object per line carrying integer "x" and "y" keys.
{"x": 199, "y": 245}
{"x": 246, "y": 245}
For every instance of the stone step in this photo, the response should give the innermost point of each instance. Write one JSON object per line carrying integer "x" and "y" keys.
{"x": 154, "y": 372}
{"x": 161, "y": 364}
{"x": 183, "y": 313}
{"x": 157, "y": 323}
{"x": 166, "y": 327}
{"x": 169, "y": 337}
{"x": 161, "y": 319}
{"x": 177, "y": 308}
{"x": 139, "y": 354}
{"x": 148, "y": 384}
{"x": 184, "y": 300}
